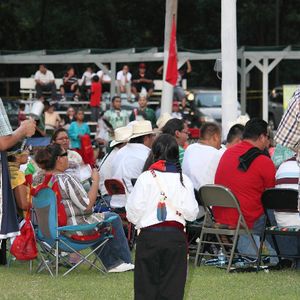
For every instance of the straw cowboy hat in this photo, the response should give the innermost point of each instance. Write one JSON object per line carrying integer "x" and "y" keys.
{"x": 162, "y": 120}
{"x": 122, "y": 135}
{"x": 141, "y": 128}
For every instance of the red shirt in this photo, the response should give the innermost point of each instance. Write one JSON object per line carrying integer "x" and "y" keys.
{"x": 96, "y": 94}
{"x": 246, "y": 186}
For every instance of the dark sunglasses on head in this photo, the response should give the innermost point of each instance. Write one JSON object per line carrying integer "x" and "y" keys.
{"x": 64, "y": 154}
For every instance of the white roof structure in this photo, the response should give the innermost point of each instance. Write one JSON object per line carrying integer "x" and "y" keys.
{"x": 263, "y": 58}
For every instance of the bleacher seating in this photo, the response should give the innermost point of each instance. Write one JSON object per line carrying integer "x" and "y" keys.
{"x": 27, "y": 87}
{"x": 27, "y": 91}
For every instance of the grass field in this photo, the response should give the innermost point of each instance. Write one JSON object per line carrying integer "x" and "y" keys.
{"x": 203, "y": 283}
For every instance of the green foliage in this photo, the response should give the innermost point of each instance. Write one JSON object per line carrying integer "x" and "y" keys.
{"x": 115, "y": 24}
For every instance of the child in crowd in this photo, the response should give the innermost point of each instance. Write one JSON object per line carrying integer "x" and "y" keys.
{"x": 21, "y": 113}
{"x": 95, "y": 98}
{"x": 18, "y": 181}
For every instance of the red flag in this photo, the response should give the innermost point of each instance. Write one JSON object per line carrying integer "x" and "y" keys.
{"x": 172, "y": 73}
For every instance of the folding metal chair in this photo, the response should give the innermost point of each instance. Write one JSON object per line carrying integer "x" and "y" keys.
{"x": 285, "y": 200}
{"x": 116, "y": 187}
{"x": 217, "y": 195}
{"x": 53, "y": 240}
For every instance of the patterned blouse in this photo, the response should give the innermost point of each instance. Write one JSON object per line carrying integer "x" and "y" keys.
{"x": 75, "y": 201}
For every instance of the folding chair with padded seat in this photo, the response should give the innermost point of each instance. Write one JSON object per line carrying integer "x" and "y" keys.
{"x": 116, "y": 187}
{"x": 218, "y": 195}
{"x": 283, "y": 200}
{"x": 53, "y": 239}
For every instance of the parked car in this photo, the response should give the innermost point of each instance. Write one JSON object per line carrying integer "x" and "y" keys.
{"x": 209, "y": 103}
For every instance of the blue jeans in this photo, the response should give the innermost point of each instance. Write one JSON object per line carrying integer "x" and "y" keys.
{"x": 116, "y": 250}
{"x": 287, "y": 245}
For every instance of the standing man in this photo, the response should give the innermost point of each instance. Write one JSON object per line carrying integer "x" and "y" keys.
{"x": 116, "y": 116}
{"x": 45, "y": 82}
{"x": 9, "y": 226}
{"x": 143, "y": 112}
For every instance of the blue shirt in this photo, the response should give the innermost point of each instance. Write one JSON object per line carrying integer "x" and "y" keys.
{"x": 74, "y": 131}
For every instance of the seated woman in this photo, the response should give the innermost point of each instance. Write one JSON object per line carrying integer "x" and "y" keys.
{"x": 60, "y": 136}
{"x": 78, "y": 205}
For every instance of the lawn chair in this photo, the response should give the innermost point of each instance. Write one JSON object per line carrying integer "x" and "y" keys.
{"x": 283, "y": 200}
{"x": 217, "y": 195}
{"x": 116, "y": 187}
{"x": 53, "y": 241}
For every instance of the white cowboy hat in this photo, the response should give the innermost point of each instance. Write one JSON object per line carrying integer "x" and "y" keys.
{"x": 122, "y": 135}
{"x": 163, "y": 119}
{"x": 141, "y": 128}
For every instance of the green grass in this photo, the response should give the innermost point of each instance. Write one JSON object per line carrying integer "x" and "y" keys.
{"x": 203, "y": 283}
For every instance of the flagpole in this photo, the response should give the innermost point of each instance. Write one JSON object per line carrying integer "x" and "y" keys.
{"x": 167, "y": 92}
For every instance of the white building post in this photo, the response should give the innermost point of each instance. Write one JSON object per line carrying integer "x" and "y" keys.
{"x": 229, "y": 64}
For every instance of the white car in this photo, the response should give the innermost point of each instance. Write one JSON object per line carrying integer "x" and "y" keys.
{"x": 209, "y": 103}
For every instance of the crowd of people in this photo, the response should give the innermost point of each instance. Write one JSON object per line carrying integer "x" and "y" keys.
{"x": 93, "y": 84}
{"x": 160, "y": 172}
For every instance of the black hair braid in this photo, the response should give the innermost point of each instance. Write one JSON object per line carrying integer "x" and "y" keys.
{"x": 178, "y": 167}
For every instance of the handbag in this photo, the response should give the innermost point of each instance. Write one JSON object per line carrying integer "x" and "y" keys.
{"x": 24, "y": 245}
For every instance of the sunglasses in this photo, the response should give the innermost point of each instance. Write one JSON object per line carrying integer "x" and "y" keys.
{"x": 63, "y": 154}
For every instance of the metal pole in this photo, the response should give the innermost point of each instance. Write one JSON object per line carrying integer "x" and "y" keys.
{"x": 277, "y": 38}
{"x": 167, "y": 92}
{"x": 243, "y": 85}
{"x": 113, "y": 77}
{"x": 265, "y": 89}
{"x": 229, "y": 64}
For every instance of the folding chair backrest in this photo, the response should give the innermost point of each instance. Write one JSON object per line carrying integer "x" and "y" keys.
{"x": 218, "y": 195}
{"x": 44, "y": 204}
{"x": 114, "y": 187}
{"x": 279, "y": 198}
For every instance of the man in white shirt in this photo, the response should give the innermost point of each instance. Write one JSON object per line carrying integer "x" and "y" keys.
{"x": 129, "y": 161}
{"x": 201, "y": 159}
{"x": 105, "y": 78}
{"x": 45, "y": 82}
{"x": 121, "y": 136}
{"x": 124, "y": 81}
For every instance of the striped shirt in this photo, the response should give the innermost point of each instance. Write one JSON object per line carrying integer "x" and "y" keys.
{"x": 287, "y": 176}
{"x": 288, "y": 133}
{"x": 5, "y": 128}
{"x": 75, "y": 201}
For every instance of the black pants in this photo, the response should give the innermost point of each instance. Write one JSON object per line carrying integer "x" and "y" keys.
{"x": 49, "y": 87}
{"x": 3, "y": 253}
{"x": 160, "y": 265}
{"x": 95, "y": 110}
